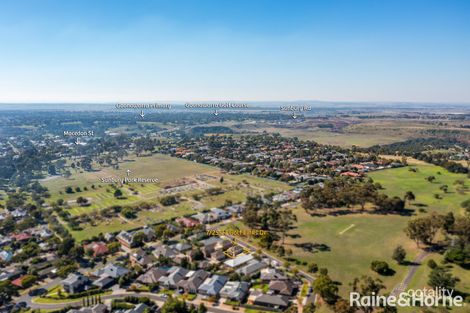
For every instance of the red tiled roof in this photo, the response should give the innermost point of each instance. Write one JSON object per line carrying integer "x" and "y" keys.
{"x": 99, "y": 248}
{"x": 18, "y": 282}
{"x": 21, "y": 236}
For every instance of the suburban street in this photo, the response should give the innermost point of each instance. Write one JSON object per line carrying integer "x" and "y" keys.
{"x": 119, "y": 295}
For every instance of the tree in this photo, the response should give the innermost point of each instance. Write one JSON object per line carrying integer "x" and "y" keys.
{"x": 286, "y": 220}
{"x": 399, "y": 254}
{"x": 431, "y": 178}
{"x": 169, "y": 200}
{"x": 462, "y": 229}
{"x": 69, "y": 189}
{"x": 343, "y": 306}
{"x": 82, "y": 201}
{"x": 173, "y": 305}
{"x": 65, "y": 246}
{"x": 380, "y": 267}
{"x": 424, "y": 229}
{"x": 118, "y": 193}
{"x": 449, "y": 222}
{"x": 432, "y": 264}
{"x": 326, "y": 288}
{"x": 457, "y": 255}
{"x": 7, "y": 290}
{"x": 113, "y": 247}
{"x": 367, "y": 286}
{"x": 444, "y": 188}
{"x": 139, "y": 238}
{"x": 129, "y": 213}
{"x": 202, "y": 308}
{"x": 312, "y": 268}
{"x": 267, "y": 240}
{"x": 63, "y": 271}
{"x": 409, "y": 196}
{"x": 28, "y": 281}
{"x": 440, "y": 277}
{"x": 310, "y": 308}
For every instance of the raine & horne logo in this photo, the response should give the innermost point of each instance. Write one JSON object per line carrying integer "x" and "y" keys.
{"x": 412, "y": 298}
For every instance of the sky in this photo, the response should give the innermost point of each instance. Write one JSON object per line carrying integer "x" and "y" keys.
{"x": 234, "y": 50}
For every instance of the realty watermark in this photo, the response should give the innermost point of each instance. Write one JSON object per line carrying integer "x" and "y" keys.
{"x": 426, "y": 297}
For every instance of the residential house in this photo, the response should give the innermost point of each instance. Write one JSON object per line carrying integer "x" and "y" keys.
{"x": 220, "y": 214}
{"x": 164, "y": 251}
{"x": 218, "y": 256}
{"x": 235, "y": 209}
{"x": 48, "y": 272}
{"x": 212, "y": 285}
{"x": 139, "y": 308}
{"x": 148, "y": 232}
{"x": 193, "y": 282}
{"x": 21, "y": 236}
{"x": 239, "y": 260}
{"x": 104, "y": 282}
{"x": 283, "y": 287}
{"x": 126, "y": 240}
{"x": 235, "y": 290}
{"x": 6, "y": 256}
{"x": 98, "y": 248}
{"x": 174, "y": 275}
{"x": 18, "y": 282}
{"x": 98, "y": 308}
{"x": 152, "y": 276}
{"x": 75, "y": 283}
{"x": 5, "y": 240}
{"x": 187, "y": 222}
{"x": 268, "y": 274}
{"x": 108, "y": 237}
{"x": 233, "y": 251}
{"x": 18, "y": 213}
{"x": 271, "y": 301}
{"x": 140, "y": 257}
{"x": 111, "y": 270}
{"x": 204, "y": 218}
{"x": 11, "y": 274}
{"x": 181, "y": 247}
{"x": 214, "y": 244}
{"x": 251, "y": 268}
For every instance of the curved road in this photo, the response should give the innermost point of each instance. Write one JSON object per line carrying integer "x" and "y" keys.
{"x": 159, "y": 301}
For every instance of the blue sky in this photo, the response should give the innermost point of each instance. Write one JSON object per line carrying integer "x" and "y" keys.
{"x": 116, "y": 50}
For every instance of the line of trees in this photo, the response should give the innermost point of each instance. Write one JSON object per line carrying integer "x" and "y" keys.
{"x": 346, "y": 192}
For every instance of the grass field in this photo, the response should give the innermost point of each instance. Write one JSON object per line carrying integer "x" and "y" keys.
{"x": 167, "y": 170}
{"x": 354, "y": 242}
{"x": 398, "y": 181}
{"x": 358, "y": 239}
{"x": 343, "y": 139}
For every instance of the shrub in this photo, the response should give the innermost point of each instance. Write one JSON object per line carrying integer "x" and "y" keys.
{"x": 380, "y": 267}
{"x": 432, "y": 264}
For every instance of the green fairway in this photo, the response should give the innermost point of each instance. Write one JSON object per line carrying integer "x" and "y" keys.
{"x": 400, "y": 180}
